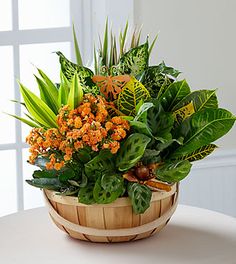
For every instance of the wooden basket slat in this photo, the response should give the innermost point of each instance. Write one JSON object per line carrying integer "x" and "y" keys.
{"x": 111, "y": 216}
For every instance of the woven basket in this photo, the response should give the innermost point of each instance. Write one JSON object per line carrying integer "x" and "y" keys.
{"x": 113, "y": 222}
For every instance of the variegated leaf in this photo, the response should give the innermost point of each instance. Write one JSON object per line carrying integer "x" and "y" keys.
{"x": 200, "y": 153}
{"x": 69, "y": 69}
{"x": 184, "y": 112}
{"x": 135, "y": 61}
{"x": 131, "y": 94}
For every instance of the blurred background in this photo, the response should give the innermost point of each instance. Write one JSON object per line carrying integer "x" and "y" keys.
{"x": 197, "y": 37}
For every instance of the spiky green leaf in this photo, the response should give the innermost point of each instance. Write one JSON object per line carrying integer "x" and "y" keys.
{"x": 76, "y": 93}
{"x": 77, "y": 50}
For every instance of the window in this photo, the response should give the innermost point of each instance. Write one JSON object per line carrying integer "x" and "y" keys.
{"x": 29, "y": 34}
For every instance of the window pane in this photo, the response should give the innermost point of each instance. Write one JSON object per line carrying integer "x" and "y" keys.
{"x": 8, "y": 190}
{"x": 33, "y": 196}
{"x": 5, "y": 15}
{"x": 41, "y": 56}
{"x": 7, "y": 131}
{"x": 44, "y": 14}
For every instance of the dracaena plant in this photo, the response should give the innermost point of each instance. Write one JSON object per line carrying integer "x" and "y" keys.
{"x": 128, "y": 129}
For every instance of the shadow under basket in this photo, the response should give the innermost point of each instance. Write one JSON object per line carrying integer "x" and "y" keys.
{"x": 113, "y": 222}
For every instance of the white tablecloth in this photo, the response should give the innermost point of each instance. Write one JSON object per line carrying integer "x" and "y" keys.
{"x": 193, "y": 235}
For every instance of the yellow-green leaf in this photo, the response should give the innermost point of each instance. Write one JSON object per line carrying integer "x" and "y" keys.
{"x": 131, "y": 94}
{"x": 37, "y": 108}
{"x": 200, "y": 153}
{"x": 184, "y": 112}
{"x": 76, "y": 93}
{"x": 27, "y": 122}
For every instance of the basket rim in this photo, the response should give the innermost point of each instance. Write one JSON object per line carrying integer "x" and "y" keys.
{"x": 123, "y": 201}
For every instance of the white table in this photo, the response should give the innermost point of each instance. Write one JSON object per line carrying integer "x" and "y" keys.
{"x": 193, "y": 235}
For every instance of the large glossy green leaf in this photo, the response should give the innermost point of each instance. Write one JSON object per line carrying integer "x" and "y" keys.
{"x": 200, "y": 153}
{"x": 173, "y": 171}
{"x": 155, "y": 76}
{"x": 69, "y": 69}
{"x": 131, "y": 151}
{"x": 76, "y": 93}
{"x": 173, "y": 94}
{"x": 135, "y": 61}
{"x": 132, "y": 93}
{"x": 202, "y": 99}
{"x": 202, "y": 128}
{"x": 140, "y": 196}
{"x": 38, "y": 109}
{"x": 47, "y": 95}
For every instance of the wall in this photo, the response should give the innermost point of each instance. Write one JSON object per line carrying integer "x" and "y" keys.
{"x": 198, "y": 38}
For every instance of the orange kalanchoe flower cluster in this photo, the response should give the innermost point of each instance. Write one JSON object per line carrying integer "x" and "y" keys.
{"x": 87, "y": 125}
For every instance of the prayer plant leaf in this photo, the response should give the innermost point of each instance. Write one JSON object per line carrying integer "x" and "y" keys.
{"x": 86, "y": 195}
{"x": 173, "y": 171}
{"x": 200, "y": 153}
{"x": 112, "y": 182}
{"x": 38, "y": 109}
{"x": 201, "y": 129}
{"x": 173, "y": 94}
{"x": 69, "y": 69}
{"x": 130, "y": 96}
{"x": 131, "y": 151}
{"x": 105, "y": 196}
{"x": 135, "y": 61}
{"x": 140, "y": 196}
{"x": 76, "y": 93}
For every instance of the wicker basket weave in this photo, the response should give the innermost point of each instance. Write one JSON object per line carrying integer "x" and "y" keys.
{"x": 113, "y": 222}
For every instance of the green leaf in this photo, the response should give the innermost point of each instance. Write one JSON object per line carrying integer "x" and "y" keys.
{"x": 131, "y": 151}
{"x": 151, "y": 156}
{"x": 202, "y": 99}
{"x": 142, "y": 110}
{"x": 155, "y": 76}
{"x": 76, "y": 93}
{"x": 173, "y": 171}
{"x": 123, "y": 38}
{"x": 174, "y": 94}
{"x": 83, "y": 183}
{"x": 38, "y": 109}
{"x": 152, "y": 45}
{"x": 45, "y": 174}
{"x": 141, "y": 127}
{"x": 130, "y": 96}
{"x": 86, "y": 195}
{"x": 200, "y": 153}
{"x": 105, "y": 196}
{"x": 202, "y": 128}
{"x": 27, "y": 122}
{"x": 76, "y": 47}
{"x": 135, "y": 61}
{"x": 47, "y": 95}
{"x": 66, "y": 174}
{"x": 46, "y": 183}
{"x": 69, "y": 69}
{"x": 63, "y": 91}
{"x": 41, "y": 162}
{"x": 112, "y": 182}
{"x": 70, "y": 190}
{"x": 140, "y": 196}
{"x": 105, "y": 45}
{"x": 159, "y": 122}
{"x": 104, "y": 161}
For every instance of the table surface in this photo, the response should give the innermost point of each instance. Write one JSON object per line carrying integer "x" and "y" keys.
{"x": 193, "y": 235}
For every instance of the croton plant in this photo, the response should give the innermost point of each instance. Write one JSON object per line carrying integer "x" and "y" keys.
{"x": 125, "y": 130}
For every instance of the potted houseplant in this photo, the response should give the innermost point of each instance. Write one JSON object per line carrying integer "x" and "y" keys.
{"x": 112, "y": 144}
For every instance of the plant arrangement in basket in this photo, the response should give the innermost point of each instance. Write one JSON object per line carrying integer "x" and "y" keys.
{"x": 126, "y": 129}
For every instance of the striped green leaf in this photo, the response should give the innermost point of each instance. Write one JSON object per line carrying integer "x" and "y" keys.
{"x": 38, "y": 109}
{"x": 200, "y": 153}
{"x": 77, "y": 50}
{"x": 27, "y": 122}
{"x": 76, "y": 93}
{"x": 47, "y": 95}
{"x": 63, "y": 91}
